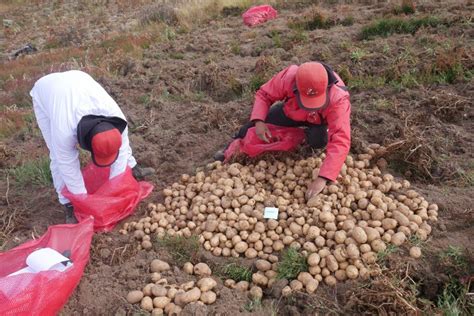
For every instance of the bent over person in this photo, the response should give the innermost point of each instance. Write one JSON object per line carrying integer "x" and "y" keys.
{"x": 73, "y": 110}
{"x": 312, "y": 96}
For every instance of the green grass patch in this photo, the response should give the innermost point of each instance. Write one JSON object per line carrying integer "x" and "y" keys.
{"x": 35, "y": 172}
{"x": 237, "y": 272}
{"x": 291, "y": 264}
{"x": 453, "y": 301}
{"x": 391, "y": 26}
{"x": 182, "y": 249}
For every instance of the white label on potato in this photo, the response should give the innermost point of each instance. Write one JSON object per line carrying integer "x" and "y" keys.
{"x": 270, "y": 212}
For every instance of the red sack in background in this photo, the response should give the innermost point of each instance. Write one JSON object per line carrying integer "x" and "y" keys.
{"x": 259, "y": 14}
{"x": 284, "y": 139}
{"x": 108, "y": 201}
{"x": 46, "y": 292}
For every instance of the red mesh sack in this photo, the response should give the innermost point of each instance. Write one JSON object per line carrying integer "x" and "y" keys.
{"x": 259, "y": 14}
{"x": 46, "y": 292}
{"x": 283, "y": 139}
{"x": 108, "y": 201}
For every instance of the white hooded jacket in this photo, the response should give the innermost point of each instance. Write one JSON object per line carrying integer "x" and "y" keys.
{"x": 60, "y": 100}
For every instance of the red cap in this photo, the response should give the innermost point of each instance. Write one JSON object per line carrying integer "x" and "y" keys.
{"x": 311, "y": 85}
{"x": 105, "y": 147}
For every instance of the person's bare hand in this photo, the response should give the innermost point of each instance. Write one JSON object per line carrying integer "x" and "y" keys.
{"x": 262, "y": 131}
{"x": 315, "y": 187}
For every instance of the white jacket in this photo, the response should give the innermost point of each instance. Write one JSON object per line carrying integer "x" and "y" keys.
{"x": 60, "y": 100}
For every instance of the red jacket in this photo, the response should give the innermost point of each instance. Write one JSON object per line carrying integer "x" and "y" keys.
{"x": 336, "y": 115}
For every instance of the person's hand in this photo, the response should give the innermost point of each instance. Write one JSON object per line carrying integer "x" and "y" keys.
{"x": 315, "y": 187}
{"x": 262, "y": 131}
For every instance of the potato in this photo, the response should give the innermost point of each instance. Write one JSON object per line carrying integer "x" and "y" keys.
{"x": 147, "y": 303}
{"x": 208, "y": 297}
{"x": 147, "y": 289}
{"x": 159, "y": 290}
{"x": 187, "y": 286}
{"x": 304, "y": 277}
{"x": 172, "y": 293}
{"x": 206, "y": 284}
{"x": 259, "y": 279}
{"x": 340, "y": 275}
{"x": 157, "y": 312}
{"x": 398, "y": 239}
{"x": 242, "y": 286}
{"x": 359, "y": 235}
{"x": 311, "y": 286}
{"x": 327, "y": 217}
{"x": 313, "y": 259}
{"x": 389, "y": 223}
{"x": 181, "y": 299}
{"x": 241, "y": 247}
{"x": 155, "y": 276}
{"x": 400, "y": 218}
{"x": 352, "y": 251}
{"x": 330, "y": 280}
{"x": 161, "y": 302}
{"x": 372, "y": 234}
{"x": 134, "y": 296}
{"x": 263, "y": 265}
{"x": 352, "y": 272}
{"x": 378, "y": 245}
{"x": 415, "y": 252}
{"x": 286, "y": 291}
{"x": 296, "y": 285}
{"x": 188, "y": 268}
{"x": 159, "y": 266}
{"x": 255, "y": 293}
{"x": 332, "y": 263}
{"x": 202, "y": 269}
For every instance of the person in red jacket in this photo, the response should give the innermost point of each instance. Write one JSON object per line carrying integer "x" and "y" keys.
{"x": 313, "y": 96}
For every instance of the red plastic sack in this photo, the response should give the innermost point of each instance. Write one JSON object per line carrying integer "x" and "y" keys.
{"x": 284, "y": 139}
{"x": 46, "y": 292}
{"x": 108, "y": 201}
{"x": 259, "y": 14}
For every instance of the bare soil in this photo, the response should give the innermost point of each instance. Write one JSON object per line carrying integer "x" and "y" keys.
{"x": 185, "y": 91}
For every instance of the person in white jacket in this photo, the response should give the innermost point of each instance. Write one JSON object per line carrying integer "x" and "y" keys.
{"x": 73, "y": 110}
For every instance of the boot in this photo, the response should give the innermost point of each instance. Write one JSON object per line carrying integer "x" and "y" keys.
{"x": 140, "y": 173}
{"x": 69, "y": 214}
{"x": 219, "y": 155}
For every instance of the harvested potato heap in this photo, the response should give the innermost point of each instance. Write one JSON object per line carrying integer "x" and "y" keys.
{"x": 161, "y": 298}
{"x": 340, "y": 230}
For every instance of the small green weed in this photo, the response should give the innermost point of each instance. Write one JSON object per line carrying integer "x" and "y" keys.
{"x": 406, "y": 7}
{"x": 383, "y": 255}
{"x": 237, "y": 272}
{"x": 275, "y": 35}
{"x": 348, "y": 21}
{"x": 235, "y": 47}
{"x": 182, "y": 249}
{"x": 358, "y": 54}
{"x": 176, "y": 55}
{"x": 391, "y": 26}
{"x": 312, "y": 20}
{"x": 291, "y": 264}
{"x": 253, "y": 305}
{"x": 36, "y": 172}
{"x": 415, "y": 241}
{"x": 454, "y": 256}
{"x": 256, "y": 81}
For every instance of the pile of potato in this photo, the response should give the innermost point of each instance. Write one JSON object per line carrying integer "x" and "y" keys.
{"x": 340, "y": 230}
{"x": 161, "y": 298}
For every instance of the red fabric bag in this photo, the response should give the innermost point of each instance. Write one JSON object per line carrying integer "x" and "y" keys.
{"x": 259, "y": 14}
{"x": 284, "y": 139}
{"x": 108, "y": 201}
{"x": 46, "y": 292}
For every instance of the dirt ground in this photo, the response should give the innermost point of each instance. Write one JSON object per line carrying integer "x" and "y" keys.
{"x": 187, "y": 85}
